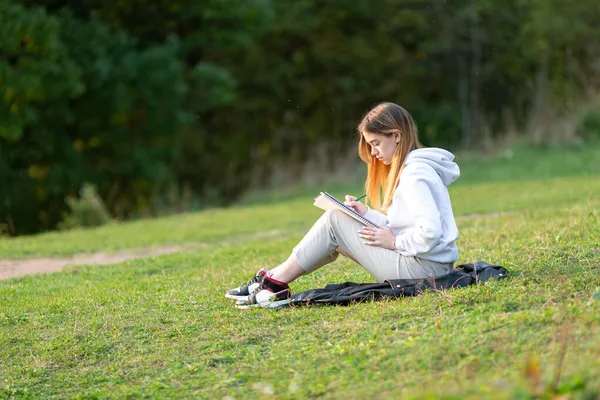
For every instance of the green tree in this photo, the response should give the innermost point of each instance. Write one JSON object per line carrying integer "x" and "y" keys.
{"x": 133, "y": 95}
{"x": 118, "y": 127}
{"x": 34, "y": 67}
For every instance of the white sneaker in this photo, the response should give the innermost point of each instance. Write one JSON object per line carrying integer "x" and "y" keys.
{"x": 242, "y": 292}
{"x": 270, "y": 293}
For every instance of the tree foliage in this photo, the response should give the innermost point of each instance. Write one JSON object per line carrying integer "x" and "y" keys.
{"x": 137, "y": 96}
{"x": 84, "y": 105}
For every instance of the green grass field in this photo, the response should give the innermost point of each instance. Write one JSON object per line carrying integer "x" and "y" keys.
{"x": 160, "y": 327}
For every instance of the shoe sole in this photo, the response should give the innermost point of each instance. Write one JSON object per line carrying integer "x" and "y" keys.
{"x": 270, "y": 304}
{"x": 234, "y": 297}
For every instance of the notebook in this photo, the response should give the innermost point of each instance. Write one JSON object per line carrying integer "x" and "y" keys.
{"x": 325, "y": 201}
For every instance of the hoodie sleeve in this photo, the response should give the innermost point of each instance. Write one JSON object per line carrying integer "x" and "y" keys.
{"x": 426, "y": 233}
{"x": 375, "y": 216}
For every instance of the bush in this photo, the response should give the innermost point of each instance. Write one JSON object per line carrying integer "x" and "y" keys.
{"x": 87, "y": 211}
{"x": 83, "y": 102}
{"x": 589, "y": 124}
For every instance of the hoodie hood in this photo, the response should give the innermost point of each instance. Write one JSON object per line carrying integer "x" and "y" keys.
{"x": 441, "y": 160}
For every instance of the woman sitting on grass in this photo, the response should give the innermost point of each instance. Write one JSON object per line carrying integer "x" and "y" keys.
{"x": 418, "y": 238}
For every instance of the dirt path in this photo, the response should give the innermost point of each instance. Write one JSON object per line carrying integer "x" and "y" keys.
{"x": 14, "y": 268}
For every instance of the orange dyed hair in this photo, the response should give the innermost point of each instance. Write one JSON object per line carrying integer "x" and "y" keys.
{"x": 386, "y": 119}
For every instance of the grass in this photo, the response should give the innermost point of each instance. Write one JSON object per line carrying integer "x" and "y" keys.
{"x": 160, "y": 327}
{"x": 517, "y": 179}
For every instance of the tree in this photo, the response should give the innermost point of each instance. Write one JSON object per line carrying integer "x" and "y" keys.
{"x": 87, "y": 106}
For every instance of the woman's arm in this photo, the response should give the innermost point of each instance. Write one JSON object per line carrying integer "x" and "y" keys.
{"x": 364, "y": 210}
{"x": 377, "y": 217}
{"x": 426, "y": 233}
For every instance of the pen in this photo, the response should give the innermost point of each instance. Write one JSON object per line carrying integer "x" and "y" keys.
{"x": 361, "y": 197}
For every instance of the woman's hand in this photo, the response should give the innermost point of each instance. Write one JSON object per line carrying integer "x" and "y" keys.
{"x": 356, "y": 205}
{"x": 382, "y": 237}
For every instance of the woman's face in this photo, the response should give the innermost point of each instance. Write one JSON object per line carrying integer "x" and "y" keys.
{"x": 382, "y": 146}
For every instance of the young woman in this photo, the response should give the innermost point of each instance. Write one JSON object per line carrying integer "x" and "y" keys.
{"x": 419, "y": 234}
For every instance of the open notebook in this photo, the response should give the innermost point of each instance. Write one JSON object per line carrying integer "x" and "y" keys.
{"x": 325, "y": 201}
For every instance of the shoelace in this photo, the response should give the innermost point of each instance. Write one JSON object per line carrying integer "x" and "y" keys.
{"x": 254, "y": 279}
{"x": 252, "y": 296}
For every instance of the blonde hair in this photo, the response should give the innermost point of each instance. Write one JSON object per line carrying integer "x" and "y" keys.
{"x": 386, "y": 119}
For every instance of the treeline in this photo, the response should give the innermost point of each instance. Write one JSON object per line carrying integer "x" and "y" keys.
{"x": 159, "y": 101}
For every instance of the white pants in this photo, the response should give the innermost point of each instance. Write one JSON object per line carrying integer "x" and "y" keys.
{"x": 336, "y": 232}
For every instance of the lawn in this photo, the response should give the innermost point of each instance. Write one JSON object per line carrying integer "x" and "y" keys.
{"x": 161, "y": 328}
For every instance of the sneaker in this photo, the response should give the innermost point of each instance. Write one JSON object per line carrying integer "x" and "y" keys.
{"x": 242, "y": 292}
{"x": 270, "y": 293}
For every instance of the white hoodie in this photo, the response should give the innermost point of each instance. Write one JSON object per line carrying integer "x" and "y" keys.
{"x": 421, "y": 213}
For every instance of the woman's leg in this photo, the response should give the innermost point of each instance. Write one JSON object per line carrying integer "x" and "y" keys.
{"x": 318, "y": 247}
{"x": 290, "y": 269}
{"x": 418, "y": 268}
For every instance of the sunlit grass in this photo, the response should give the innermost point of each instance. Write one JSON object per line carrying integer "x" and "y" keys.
{"x": 161, "y": 328}
{"x": 286, "y": 217}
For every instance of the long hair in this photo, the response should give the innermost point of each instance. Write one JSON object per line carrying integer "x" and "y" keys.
{"x": 386, "y": 119}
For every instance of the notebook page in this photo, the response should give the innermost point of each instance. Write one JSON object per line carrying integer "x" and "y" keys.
{"x": 327, "y": 202}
